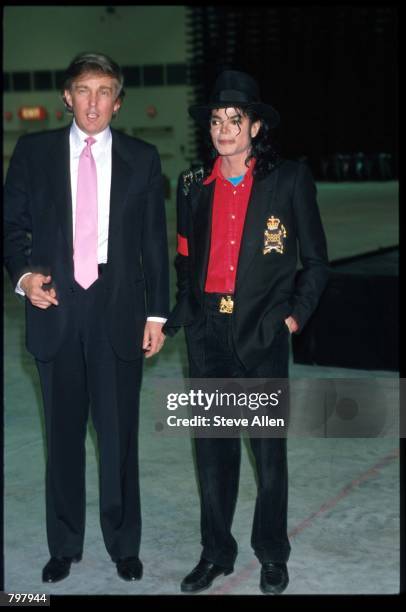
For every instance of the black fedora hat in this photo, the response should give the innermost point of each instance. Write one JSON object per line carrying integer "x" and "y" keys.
{"x": 237, "y": 90}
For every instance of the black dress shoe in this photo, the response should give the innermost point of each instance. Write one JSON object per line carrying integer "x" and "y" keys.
{"x": 58, "y": 568}
{"x": 274, "y": 577}
{"x": 129, "y": 568}
{"x": 202, "y": 576}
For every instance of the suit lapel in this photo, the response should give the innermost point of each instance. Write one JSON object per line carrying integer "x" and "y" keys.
{"x": 121, "y": 174}
{"x": 203, "y": 201}
{"x": 254, "y": 226}
{"x": 59, "y": 182}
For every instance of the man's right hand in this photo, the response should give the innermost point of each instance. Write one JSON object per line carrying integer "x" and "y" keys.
{"x": 39, "y": 297}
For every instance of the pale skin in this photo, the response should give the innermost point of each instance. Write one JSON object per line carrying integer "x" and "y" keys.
{"x": 93, "y": 98}
{"x": 231, "y": 132}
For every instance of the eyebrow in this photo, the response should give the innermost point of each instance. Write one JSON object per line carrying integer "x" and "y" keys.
{"x": 232, "y": 117}
{"x": 78, "y": 85}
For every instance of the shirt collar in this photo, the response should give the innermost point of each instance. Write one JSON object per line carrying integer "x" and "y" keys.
{"x": 78, "y": 137}
{"x": 216, "y": 172}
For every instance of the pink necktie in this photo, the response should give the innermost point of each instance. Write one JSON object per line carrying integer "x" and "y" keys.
{"x": 85, "y": 247}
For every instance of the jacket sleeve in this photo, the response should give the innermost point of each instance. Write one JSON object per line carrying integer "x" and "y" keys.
{"x": 182, "y": 313}
{"x": 182, "y": 237}
{"x": 312, "y": 280}
{"x": 155, "y": 245}
{"x": 17, "y": 217}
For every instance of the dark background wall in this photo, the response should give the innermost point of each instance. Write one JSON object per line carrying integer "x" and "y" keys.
{"x": 330, "y": 71}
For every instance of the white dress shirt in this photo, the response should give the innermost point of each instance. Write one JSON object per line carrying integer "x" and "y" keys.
{"x": 101, "y": 151}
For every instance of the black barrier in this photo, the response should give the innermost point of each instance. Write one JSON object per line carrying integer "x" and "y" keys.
{"x": 356, "y": 166}
{"x": 356, "y": 324}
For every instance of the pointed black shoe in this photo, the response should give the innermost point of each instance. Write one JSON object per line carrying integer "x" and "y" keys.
{"x": 58, "y": 568}
{"x": 202, "y": 576}
{"x": 129, "y": 568}
{"x": 274, "y": 577}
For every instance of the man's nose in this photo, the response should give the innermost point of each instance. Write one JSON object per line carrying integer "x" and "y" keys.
{"x": 224, "y": 127}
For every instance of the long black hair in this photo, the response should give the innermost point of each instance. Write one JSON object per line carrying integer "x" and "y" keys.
{"x": 262, "y": 148}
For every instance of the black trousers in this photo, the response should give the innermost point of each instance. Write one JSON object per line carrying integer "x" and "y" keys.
{"x": 84, "y": 373}
{"x": 211, "y": 355}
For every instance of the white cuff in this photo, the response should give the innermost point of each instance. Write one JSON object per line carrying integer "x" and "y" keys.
{"x": 18, "y": 288}
{"x": 157, "y": 319}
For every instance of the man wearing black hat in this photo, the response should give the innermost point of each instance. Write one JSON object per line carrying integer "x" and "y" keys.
{"x": 241, "y": 223}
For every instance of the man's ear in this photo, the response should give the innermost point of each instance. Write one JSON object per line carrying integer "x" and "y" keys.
{"x": 255, "y": 127}
{"x": 67, "y": 97}
{"x": 117, "y": 105}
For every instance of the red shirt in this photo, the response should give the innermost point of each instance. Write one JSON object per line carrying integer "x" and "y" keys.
{"x": 229, "y": 209}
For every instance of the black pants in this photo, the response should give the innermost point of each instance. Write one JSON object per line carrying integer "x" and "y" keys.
{"x": 87, "y": 372}
{"x": 211, "y": 355}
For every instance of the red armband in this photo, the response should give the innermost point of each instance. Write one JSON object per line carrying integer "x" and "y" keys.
{"x": 182, "y": 246}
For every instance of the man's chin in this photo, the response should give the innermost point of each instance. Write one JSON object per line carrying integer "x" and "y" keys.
{"x": 91, "y": 127}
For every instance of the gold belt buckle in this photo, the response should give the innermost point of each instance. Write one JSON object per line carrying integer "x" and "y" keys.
{"x": 226, "y": 305}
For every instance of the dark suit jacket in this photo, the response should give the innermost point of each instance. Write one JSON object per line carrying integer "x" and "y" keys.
{"x": 38, "y": 238}
{"x": 268, "y": 288}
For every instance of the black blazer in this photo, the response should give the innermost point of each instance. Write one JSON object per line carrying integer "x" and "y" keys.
{"x": 268, "y": 288}
{"x": 38, "y": 238}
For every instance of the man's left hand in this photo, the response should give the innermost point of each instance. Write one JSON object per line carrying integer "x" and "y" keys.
{"x": 153, "y": 338}
{"x": 292, "y": 325}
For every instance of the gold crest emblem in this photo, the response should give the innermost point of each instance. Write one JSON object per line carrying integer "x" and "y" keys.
{"x": 274, "y": 236}
{"x": 226, "y": 305}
